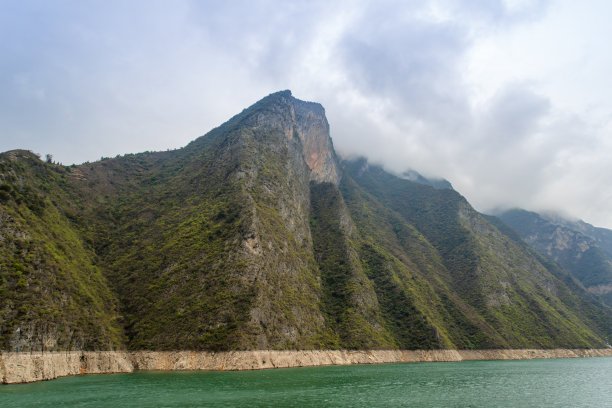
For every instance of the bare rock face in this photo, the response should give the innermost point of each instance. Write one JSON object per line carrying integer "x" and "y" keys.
{"x": 313, "y": 131}
{"x": 305, "y": 121}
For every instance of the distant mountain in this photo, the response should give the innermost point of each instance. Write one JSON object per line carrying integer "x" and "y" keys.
{"x": 601, "y": 236}
{"x": 256, "y": 236}
{"x": 585, "y": 251}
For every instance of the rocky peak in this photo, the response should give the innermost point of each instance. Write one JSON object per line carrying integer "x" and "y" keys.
{"x": 308, "y": 122}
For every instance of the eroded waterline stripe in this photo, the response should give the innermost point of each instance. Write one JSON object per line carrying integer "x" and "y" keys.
{"x": 36, "y": 366}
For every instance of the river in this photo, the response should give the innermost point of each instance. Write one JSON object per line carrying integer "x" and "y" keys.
{"x": 580, "y": 382}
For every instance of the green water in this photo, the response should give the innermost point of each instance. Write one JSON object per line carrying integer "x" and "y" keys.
{"x": 527, "y": 383}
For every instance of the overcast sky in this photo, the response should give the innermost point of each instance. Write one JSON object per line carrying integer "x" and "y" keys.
{"x": 510, "y": 100}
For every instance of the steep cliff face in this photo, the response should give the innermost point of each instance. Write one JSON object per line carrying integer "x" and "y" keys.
{"x": 275, "y": 174}
{"x": 255, "y": 236}
{"x": 313, "y": 131}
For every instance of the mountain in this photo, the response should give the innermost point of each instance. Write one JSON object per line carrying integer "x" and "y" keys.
{"x": 585, "y": 251}
{"x": 257, "y": 236}
{"x": 601, "y": 236}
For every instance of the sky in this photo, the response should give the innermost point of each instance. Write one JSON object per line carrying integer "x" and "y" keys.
{"x": 509, "y": 100}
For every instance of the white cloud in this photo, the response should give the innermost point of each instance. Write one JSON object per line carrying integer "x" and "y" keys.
{"x": 507, "y": 99}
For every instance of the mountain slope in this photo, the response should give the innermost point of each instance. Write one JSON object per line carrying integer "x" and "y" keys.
{"x": 53, "y": 295}
{"x": 224, "y": 256}
{"x": 516, "y": 299}
{"x": 255, "y": 236}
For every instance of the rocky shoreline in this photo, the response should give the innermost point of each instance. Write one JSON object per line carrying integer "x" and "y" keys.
{"x": 36, "y": 366}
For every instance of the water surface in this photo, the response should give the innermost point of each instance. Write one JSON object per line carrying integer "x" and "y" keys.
{"x": 585, "y": 382}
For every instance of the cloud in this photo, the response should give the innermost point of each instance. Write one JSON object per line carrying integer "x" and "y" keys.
{"x": 509, "y": 146}
{"x": 512, "y": 115}
{"x": 477, "y": 91}
{"x": 114, "y": 77}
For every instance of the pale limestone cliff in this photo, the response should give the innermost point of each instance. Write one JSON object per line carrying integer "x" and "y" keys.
{"x": 31, "y": 367}
{"x": 313, "y": 130}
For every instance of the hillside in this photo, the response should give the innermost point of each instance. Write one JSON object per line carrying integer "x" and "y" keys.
{"x": 256, "y": 236}
{"x": 52, "y": 293}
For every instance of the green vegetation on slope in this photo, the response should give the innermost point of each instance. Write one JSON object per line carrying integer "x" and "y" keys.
{"x": 197, "y": 242}
{"x": 348, "y": 301}
{"x": 410, "y": 279}
{"x": 53, "y": 295}
{"x": 171, "y": 252}
{"x": 502, "y": 282}
{"x": 232, "y": 243}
